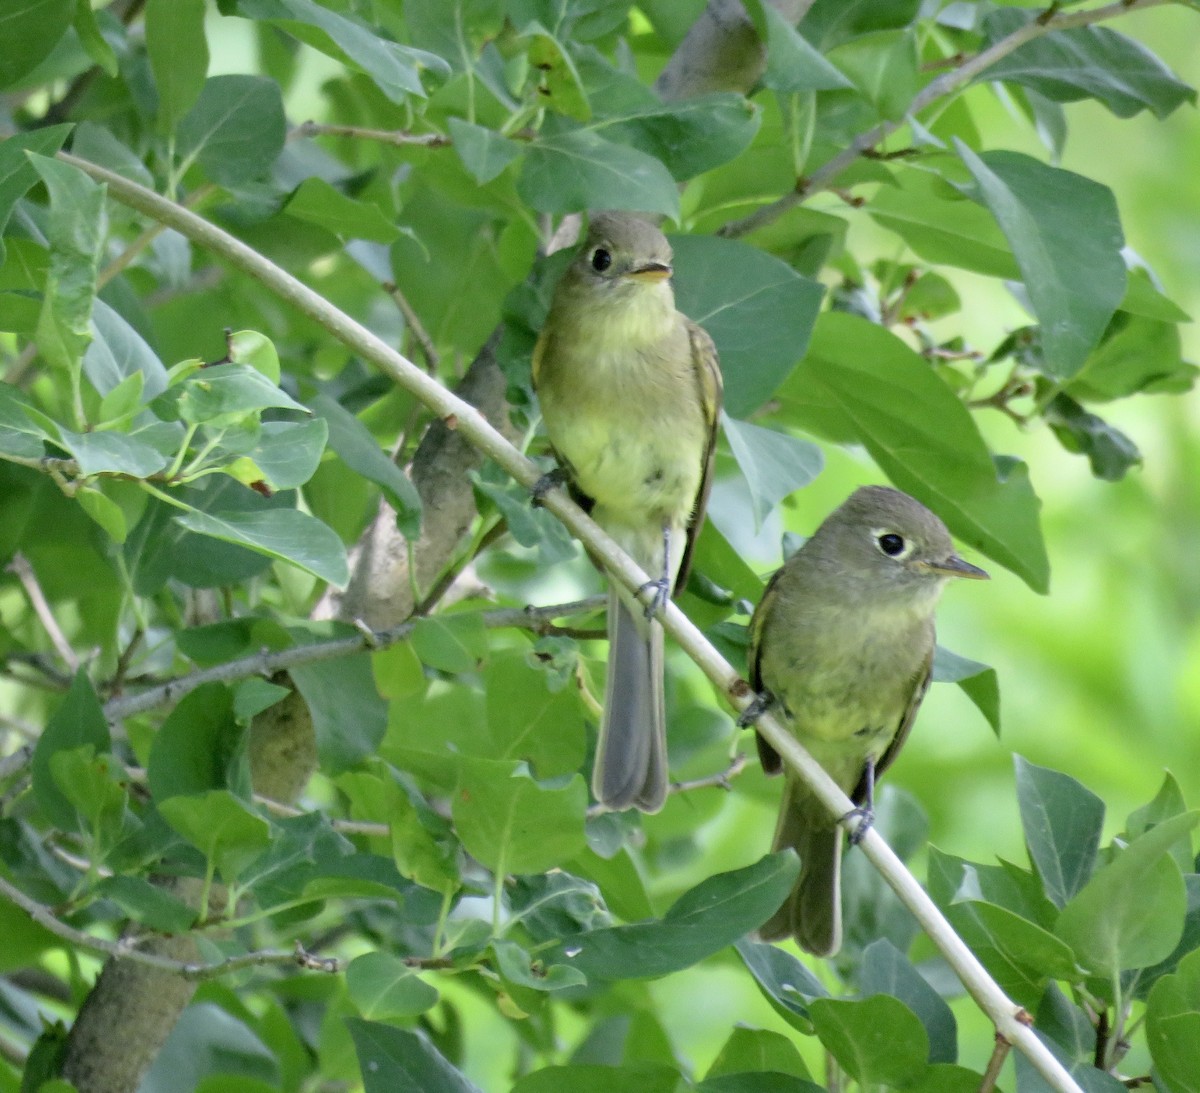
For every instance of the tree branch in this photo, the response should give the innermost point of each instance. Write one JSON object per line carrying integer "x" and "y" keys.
{"x": 823, "y": 177}
{"x": 267, "y": 664}
{"x": 1010, "y": 1020}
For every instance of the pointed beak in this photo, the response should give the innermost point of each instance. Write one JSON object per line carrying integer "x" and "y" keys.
{"x": 651, "y": 272}
{"x": 954, "y": 566}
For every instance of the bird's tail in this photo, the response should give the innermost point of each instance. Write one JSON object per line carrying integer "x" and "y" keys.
{"x": 812, "y": 912}
{"x": 631, "y": 757}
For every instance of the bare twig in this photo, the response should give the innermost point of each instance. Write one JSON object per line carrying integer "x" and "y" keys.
{"x": 823, "y": 177}
{"x": 267, "y": 663}
{"x": 415, "y": 327}
{"x": 992, "y": 1074}
{"x": 397, "y": 137}
{"x": 124, "y": 950}
{"x": 719, "y": 780}
{"x": 20, "y": 567}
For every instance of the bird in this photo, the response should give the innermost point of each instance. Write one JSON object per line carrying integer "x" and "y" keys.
{"x": 630, "y": 391}
{"x": 842, "y": 645}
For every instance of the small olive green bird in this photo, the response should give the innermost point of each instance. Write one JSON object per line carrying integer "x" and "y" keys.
{"x": 842, "y": 643}
{"x": 630, "y": 393}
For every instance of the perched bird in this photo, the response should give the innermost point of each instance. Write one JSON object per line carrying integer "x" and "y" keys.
{"x": 842, "y": 643}
{"x": 630, "y": 393}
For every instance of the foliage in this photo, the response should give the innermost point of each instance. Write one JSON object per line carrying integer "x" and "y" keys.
{"x": 186, "y": 458}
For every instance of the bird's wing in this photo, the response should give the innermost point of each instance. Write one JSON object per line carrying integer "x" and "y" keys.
{"x": 707, "y": 370}
{"x": 767, "y": 755}
{"x": 920, "y": 686}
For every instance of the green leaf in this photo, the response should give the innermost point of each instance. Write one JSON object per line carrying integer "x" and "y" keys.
{"x": 860, "y": 381}
{"x": 394, "y": 68}
{"x": 792, "y": 63}
{"x": 876, "y": 1040}
{"x": 703, "y": 921}
{"x": 940, "y": 224}
{"x": 786, "y": 983}
{"x": 198, "y": 746}
{"x": 1168, "y": 802}
{"x": 559, "y": 84}
{"x": 255, "y": 349}
{"x": 150, "y": 904}
{"x": 16, "y": 171}
{"x": 98, "y": 145}
{"x": 222, "y": 394}
{"x": 759, "y": 311}
{"x": 349, "y": 717}
{"x": 118, "y": 353}
{"x": 178, "y": 52}
{"x": 774, "y": 464}
{"x": 284, "y": 534}
{"x": 484, "y": 152}
{"x": 883, "y": 68}
{"x": 688, "y": 137}
{"x": 20, "y": 436}
{"x": 395, "y": 1060}
{"x": 1066, "y": 235}
{"x": 91, "y": 38}
{"x": 513, "y": 824}
{"x": 221, "y": 827}
{"x": 384, "y": 987}
{"x": 112, "y": 453}
{"x": 1086, "y": 62}
{"x": 570, "y": 170}
{"x": 451, "y": 643}
{"x": 30, "y": 29}
{"x": 1131, "y": 912}
{"x": 360, "y": 452}
{"x": 236, "y": 129}
{"x": 978, "y": 682}
{"x": 285, "y": 456}
{"x": 318, "y": 202}
{"x": 1173, "y": 1027}
{"x": 1109, "y": 451}
{"x": 207, "y": 1041}
{"x": 641, "y": 1076}
{"x": 78, "y": 723}
{"x": 1137, "y": 354}
{"x": 517, "y": 966}
{"x": 886, "y": 971}
{"x": 528, "y": 721}
{"x": 753, "y": 1049}
{"x": 77, "y": 225}
{"x": 1062, "y": 821}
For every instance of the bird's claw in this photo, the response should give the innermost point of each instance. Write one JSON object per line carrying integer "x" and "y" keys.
{"x": 552, "y": 478}
{"x": 761, "y": 704}
{"x": 661, "y": 587}
{"x": 865, "y": 815}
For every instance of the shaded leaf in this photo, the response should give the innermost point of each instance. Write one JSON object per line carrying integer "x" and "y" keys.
{"x": 395, "y": 1060}
{"x": 178, "y": 53}
{"x": 78, "y": 723}
{"x": 773, "y": 463}
{"x": 1086, "y": 62}
{"x": 284, "y": 534}
{"x": 236, "y": 129}
{"x": 1062, "y": 821}
{"x": 1066, "y": 235}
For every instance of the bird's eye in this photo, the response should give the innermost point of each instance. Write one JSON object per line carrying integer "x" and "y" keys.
{"x": 891, "y": 544}
{"x": 601, "y": 259}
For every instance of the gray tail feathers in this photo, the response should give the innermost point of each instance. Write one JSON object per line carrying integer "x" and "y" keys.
{"x": 812, "y": 912}
{"x": 631, "y": 757}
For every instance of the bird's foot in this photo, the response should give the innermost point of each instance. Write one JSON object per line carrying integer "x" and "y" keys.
{"x": 761, "y": 704}
{"x": 552, "y": 478}
{"x": 661, "y": 589}
{"x": 865, "y": 815}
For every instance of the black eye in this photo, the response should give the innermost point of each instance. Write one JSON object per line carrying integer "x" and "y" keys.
{"x": 891, "y": 544}
{"x": 601, "y": 259}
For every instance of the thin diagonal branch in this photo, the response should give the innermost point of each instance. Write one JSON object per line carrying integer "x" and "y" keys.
{"x": 823, "y": 177}
{"x": 1007, "y": 1016}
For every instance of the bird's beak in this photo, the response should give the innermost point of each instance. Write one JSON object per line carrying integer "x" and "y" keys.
{"x": 652, "y": 272}
{"x": 954, "y": 566}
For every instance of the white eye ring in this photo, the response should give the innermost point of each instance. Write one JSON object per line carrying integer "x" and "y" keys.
{"x": 891, "y": 544}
